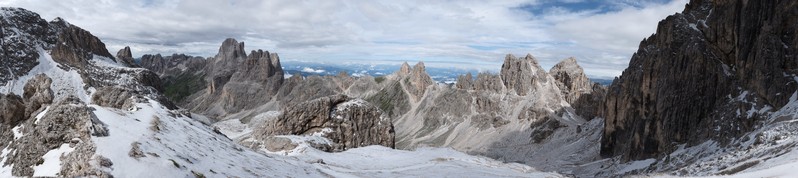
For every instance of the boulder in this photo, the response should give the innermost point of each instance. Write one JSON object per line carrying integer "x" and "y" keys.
{"x": 346, "y": 122}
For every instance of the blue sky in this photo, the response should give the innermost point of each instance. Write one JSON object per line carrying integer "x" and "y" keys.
{"x": 602, "y": 35}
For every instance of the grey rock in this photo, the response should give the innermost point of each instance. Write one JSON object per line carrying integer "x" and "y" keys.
{"x": 348, "y": 123}
{"x": 465, "y": 82}
{"x": 676, "y": 89}
{"x": 126, "y": 57}
{"x": 115, "y": 97}
{"x": 12, "y": 110}
{"x": 37, "y": 93}
{"x": 521, "y": 75}
{"x": 571, "y": 79}
{"x": 417, "y": 82}
{"x": 68, "y": 121}
{"x": 488, "y": 83}
{"x": 275, "y": 144}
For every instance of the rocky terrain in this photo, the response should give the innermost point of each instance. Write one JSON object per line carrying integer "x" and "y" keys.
{"x": 714, "y": 72}
{"x": 73, "y": 110}
{"x": 713, "y": 92}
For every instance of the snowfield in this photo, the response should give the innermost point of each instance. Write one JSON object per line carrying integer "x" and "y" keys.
{"x": 178, "y": 146}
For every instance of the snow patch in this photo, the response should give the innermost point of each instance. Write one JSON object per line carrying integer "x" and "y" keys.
{"x": 41, "y": 114}
{"x": 52, "y": 162}
{"x": 17, "y": 133}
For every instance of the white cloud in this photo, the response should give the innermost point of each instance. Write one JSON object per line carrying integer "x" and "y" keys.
{"x": 311, "y": 70}
{"x": 468, "y": 33}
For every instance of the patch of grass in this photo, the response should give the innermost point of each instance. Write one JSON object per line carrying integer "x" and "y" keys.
{"x": 379, "y": 79}
{"x": 179, "y": 87}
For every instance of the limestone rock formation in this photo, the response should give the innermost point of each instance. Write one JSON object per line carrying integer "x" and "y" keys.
{"x": 521, "y": 75}
{"x": 12, "y": 110}
{"x": 37, "y": 93}
{"x": 346, "y": 122}
{"x": 232, "y": 78}
{"x": 22, "y": 32}
{"x": 68, "y": 122}
{"x": 417, "y": 81}
{"x": 115, "y": 97}
{"x": 404, "y": 69}
{"x": 571, "y": 79}
{"x": 465, "y": 82}
{"x": 75, "y": 45}
{"x": 126, "y": 57}
{"x": 686, "y": 83}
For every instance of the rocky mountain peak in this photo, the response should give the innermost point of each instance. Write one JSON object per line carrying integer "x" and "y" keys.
{"x": 231, "y": 49}
{"x": 418, "y": 81}
{"x": 521, "y": 75}
{"x": 571, "y": 79}
{"x": 404, "y": 70}
{"x": 126, "y": 57}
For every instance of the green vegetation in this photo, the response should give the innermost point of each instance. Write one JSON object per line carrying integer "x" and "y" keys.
{"x": 179, "y": 87}
{"x": 379, "y": 79}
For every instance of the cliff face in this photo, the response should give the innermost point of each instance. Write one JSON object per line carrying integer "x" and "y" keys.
{"x": 236, "y": 81}
{"x": 709, "y": 73}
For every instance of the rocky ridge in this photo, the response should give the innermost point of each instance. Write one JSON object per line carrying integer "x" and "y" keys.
{"x": 712, "y": 72}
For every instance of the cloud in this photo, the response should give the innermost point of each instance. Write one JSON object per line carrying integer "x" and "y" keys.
{"x": 311, "y": 70}
{"x": 464, "y": 34}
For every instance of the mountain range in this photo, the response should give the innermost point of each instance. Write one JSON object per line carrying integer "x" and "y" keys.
{"x": 713, "y": 92}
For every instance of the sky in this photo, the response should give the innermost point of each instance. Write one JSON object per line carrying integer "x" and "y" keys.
{"x": 472, "y": 34}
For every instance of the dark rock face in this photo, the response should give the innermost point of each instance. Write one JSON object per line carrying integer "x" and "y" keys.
{"x": 232, "y": 79}
{"x": 126, "y": 57}
{"x": 348, "y": 123}
{"x": 12, "y": 110}
{"x": 591, "y": 105}
{"x": 686, "y": 81}
{"x": 522, "y": 74}
{"x": 21, "y": 32}
{"x": 585, "y": 97}
{"x": 75, "y": 45}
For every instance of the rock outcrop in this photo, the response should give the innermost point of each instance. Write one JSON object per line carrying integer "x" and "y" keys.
{"x": 571, "y": 79}
{"x": 465, "y": 82}
{"x": 75, "y": 45}
{"x": 37, "y": 93}
{"x": 346, "y": 122}
{"x": 115, "y": 97}
{"x": 521, "y": 75}
{"x": 125, "y": 57}
{"x": 232, "y": 79}
{"x": 21, "y": 32}
{"x": 417, "y": 81}
{"x": 12, "y": 110}
{"x": 687, "y": 82}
